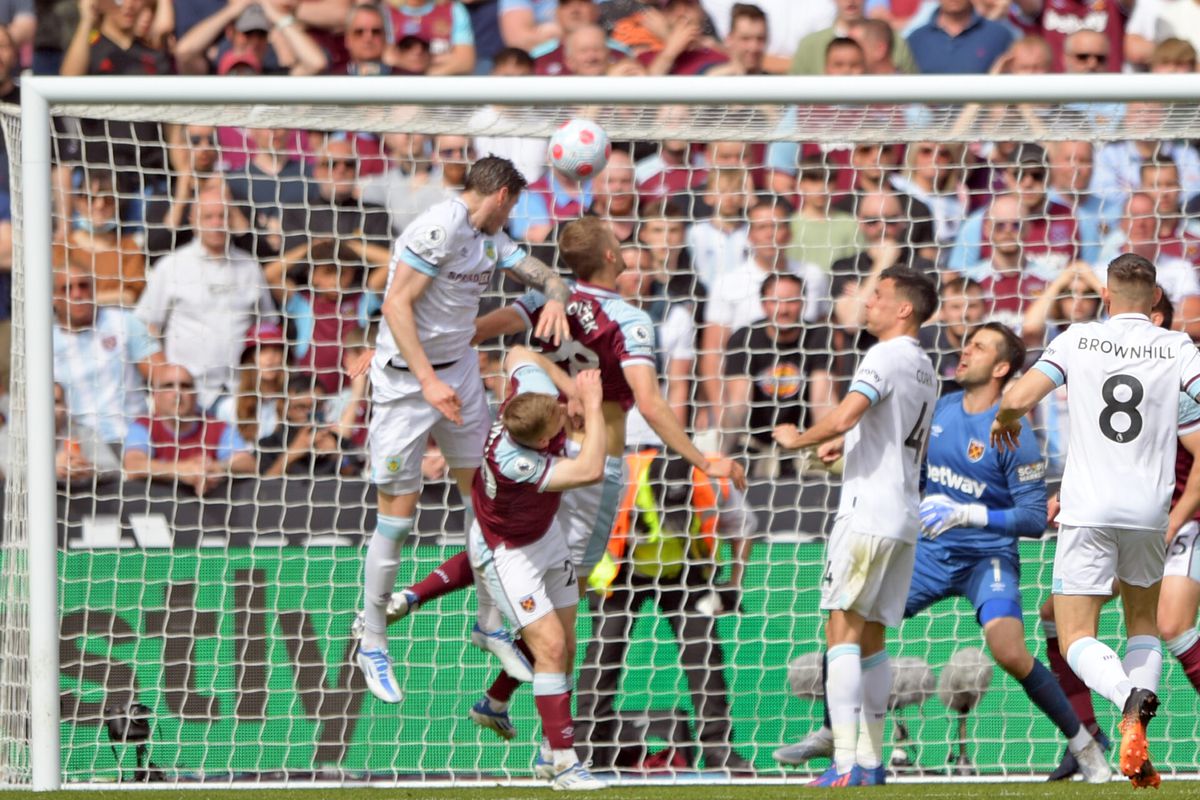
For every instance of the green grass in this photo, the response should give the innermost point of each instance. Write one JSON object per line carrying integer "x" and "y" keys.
{"x": 936, "y": 791}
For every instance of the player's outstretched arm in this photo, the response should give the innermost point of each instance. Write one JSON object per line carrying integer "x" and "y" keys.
{"x": 535, "y": 273}
{"x": 1016, "y": 403}
{"x": 1189, "y": 501}
{"x": 523, "y": 355}
{"x": 588, "y": 467}
{"x": 844, "y": 417}
{"x": 658, "y": 415}
{"x": 494, "y": 324}
{"x": 407, "y": 286}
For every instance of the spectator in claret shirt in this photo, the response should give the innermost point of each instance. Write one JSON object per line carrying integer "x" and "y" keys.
{"x": 262, "y": 34}
{"x": 553, "y": 198}
{"x": 684, "y": 52}
{"x": 671, "y": 171}
{"x": 177, "y": 443}
{"x": 960, "y": 309}
{"x": 444, "y": 24}
{"x": 1009, "y": 280}
{"x": 1056, "y": 20}
{"x": 572, "y": 15}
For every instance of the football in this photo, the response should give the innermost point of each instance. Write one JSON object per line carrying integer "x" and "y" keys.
{"x": 579, "y": 149}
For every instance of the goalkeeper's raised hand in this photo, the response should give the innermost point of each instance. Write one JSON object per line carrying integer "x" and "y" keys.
{"x": 939, "y": 514}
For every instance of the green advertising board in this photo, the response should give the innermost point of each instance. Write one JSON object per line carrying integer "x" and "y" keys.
{"x": 243, "y": 655}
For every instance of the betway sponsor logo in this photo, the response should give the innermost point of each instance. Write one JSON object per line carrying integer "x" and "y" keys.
{"x": 952, "y": 480}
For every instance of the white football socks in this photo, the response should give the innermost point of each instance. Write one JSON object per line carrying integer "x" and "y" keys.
{"x": 876, "y": 688}
{"x": 1098, "y": 666}
{"x": 843, "y": 697}
{"x": 1143, "y": 661}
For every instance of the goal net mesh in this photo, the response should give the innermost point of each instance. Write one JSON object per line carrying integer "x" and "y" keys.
{"x": 224, "y": 606}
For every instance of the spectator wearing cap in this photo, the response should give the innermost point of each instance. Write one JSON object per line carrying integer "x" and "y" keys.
{"x": 685, "y": 50}
{"x": 1049, "y": 234}
{"x": 1057, "y": 20}
{"x": 326, "y": 298}
{"x": 572, "y": 15}
{"x": 177, "y": 443}
{"x": 253, "y": 408}
{"x": 202, "y": 297}
{"x": 261, "y": 35}
{"x": 958, "y": 40}
{"x": 332, "y": 206}
{"x": 444, "y": 24}
{"x": 809, "y": 58}
{"x": 102, "y": 354}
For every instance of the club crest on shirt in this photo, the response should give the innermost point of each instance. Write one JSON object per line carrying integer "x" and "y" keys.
{"x": 975, "y": 450}
{"x": 528, "y": 603}
{"x": 489, "y": 249}
{"x": 392, "y": 465}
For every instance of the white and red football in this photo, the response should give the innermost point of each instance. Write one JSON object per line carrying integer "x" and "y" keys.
{"x": 579, "y": 149}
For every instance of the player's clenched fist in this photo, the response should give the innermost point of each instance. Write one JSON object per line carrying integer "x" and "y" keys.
{"x": 444, "y": 399}
{"x": 591, "y": 391}
{"x": 787, "y": 436}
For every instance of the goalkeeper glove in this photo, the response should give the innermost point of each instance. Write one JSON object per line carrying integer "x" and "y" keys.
{"x": 939, "y": 514}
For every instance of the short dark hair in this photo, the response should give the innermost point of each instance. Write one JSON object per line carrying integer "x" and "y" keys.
{"x": 1157, "y": 160}
{"x": 490, "y": 174}
{"x": 514, "y": 55}
{"x": 774, "y": 278}
{"x": 1012, "y": 349}
{"x": 960, "y": 285}
{"x": 1130, "y": 269}
{"x": 746, "y": 11}
{"x": 1165, "y": 307}
{"x": 916, "y": 288}
{"x": 842, "y": 41}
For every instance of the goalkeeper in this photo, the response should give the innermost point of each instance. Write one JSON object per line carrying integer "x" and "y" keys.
{"x": 978, "y": 502}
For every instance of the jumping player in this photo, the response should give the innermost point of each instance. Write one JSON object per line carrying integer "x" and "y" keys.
{"x": 425, "y": 374}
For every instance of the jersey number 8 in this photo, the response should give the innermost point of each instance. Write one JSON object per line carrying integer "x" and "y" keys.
{"x": 1129, "y": 407}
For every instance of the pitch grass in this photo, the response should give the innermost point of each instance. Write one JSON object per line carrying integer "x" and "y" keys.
{"x": 937, "y": 791}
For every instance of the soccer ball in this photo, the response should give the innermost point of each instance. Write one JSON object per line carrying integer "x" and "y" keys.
{"x": 579, "y": 149}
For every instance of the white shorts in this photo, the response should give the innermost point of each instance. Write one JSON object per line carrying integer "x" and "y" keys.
{"x": 1182, "y": 559}
{"x": 587, "y": 514}
{"x": 866, "y": 574}
{"x": 528, "y": 582}
{"x": 400, "y": 427}
{"x": 1086, "y": 560}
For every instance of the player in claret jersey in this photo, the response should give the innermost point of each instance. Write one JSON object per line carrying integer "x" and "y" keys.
{"x": 518, "y": 553}
{"x": 1125, "y": 376}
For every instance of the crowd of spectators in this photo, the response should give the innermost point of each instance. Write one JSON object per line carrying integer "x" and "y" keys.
{"x": 214, "y": 285}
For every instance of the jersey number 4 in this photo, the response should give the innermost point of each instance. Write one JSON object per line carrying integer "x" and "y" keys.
{"x": 1129, "y": 407}
{"x": 919, "y": 435}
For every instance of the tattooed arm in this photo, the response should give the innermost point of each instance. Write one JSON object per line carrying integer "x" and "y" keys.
{"x": 552, "y": 325}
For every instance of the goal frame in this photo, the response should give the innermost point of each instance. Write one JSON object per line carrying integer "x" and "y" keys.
{"x": 40, "y": 93}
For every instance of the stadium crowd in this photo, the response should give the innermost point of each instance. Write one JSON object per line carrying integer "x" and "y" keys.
{"x": 752, "y": 258}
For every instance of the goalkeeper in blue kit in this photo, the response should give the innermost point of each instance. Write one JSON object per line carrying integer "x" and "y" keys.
{"x": 978, "y": 502}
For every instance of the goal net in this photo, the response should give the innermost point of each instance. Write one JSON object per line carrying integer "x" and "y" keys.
{"x": 204, "y": 602}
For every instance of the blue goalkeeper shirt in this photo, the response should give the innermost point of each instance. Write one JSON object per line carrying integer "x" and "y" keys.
{"x": 963, "y": 465}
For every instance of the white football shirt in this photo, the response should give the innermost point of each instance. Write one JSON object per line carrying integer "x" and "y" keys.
{"x": 1123, "y": 381}
{"x": 442, "y": 244}
{"x": 884, "y": 451}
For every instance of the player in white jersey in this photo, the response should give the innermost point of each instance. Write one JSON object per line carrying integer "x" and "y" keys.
{"x": 1124, "y": 378}
{"x": 885, "y": 418}
{"x": 425, "y": 374}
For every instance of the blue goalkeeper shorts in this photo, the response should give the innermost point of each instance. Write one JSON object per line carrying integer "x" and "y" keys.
{"x": 991, "y": 582}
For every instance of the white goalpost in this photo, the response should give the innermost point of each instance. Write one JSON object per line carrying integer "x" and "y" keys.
{"x": 46, "y": 569}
